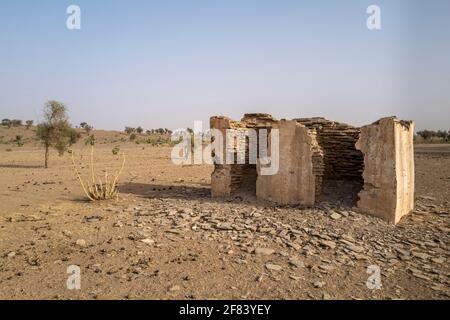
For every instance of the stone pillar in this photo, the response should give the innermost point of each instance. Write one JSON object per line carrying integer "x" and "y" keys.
{"x": 295, "y": 181}
{"x": 388, "y": 150}
{"x": 221, "y": 177}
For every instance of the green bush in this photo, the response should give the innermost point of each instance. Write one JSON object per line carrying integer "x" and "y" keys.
{"x": 19, "y": 140}
{"x": 90, "y": 140}
{"x": 74, "y": 136}
{"x": 115, "y": 150}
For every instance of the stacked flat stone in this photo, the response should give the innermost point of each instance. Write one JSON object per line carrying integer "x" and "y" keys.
{"x": 317, "y": 161}
{"x": 337, "y": 140}
{"x": 333, "y": 145}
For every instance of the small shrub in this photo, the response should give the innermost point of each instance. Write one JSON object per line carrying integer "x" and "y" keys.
{"x": 98, "y": 189}
{"x": 115, "y": 151}
{"x": 74, "y": 136}
{"x": 90, "y": 140}
{"x": 19, "y": 140}
{"x": 133, "y": 136}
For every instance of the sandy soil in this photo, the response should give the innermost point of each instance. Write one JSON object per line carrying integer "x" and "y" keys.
{"x": 165, "y": 238}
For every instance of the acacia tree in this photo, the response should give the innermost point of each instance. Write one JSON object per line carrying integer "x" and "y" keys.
{"x": 88, "y": 128}
{"x": 55, "y": 130}
{"x": 16, "y": 122}
{"x": 129, "y": 130}
{"x": 29, "y": 124}
{"x": 426, "y": 134}
{"x": 442, "y": 134}
{"x": 6, "y": 123}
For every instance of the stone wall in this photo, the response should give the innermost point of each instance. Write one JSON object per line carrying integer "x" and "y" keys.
{"x": 337, "y": 140}
{"x": 377, "y": 159}
{"x": 295, "y": 181}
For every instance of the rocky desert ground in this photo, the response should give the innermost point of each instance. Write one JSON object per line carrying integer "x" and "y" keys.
{"x": 166, "y": 238}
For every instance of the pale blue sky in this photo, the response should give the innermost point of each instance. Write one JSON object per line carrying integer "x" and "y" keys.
{"x": 168, "y": 63}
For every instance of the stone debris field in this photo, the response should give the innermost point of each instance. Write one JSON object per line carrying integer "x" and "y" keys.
{"x": 166, "y": 237}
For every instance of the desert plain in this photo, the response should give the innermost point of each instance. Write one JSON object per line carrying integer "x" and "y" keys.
{"x": 166, "y": 238}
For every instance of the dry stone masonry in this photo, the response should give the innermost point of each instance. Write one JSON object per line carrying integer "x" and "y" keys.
{"x": 371, "y": 168}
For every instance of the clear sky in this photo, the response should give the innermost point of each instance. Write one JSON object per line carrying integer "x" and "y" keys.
{"x": 168, "y": 63}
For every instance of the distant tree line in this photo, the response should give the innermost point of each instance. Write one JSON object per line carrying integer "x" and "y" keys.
{"x": 429, "y": 135}
{"x": 16, "y": 123}
{"x": 13, "y": 123}
{"x": 140, "y": 130}
{"x": 158, "y": 136}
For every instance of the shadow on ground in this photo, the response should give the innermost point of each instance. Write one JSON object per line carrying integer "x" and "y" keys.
{"x": 196, "y": 192}
{"x": 20, "y": 166}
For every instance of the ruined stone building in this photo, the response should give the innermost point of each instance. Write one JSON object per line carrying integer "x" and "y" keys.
{"x": 370, "y": 168}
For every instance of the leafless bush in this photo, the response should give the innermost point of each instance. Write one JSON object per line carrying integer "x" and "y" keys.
{"x": 98, "y": 189}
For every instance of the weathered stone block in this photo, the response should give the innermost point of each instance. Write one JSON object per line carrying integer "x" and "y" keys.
{"x": 388, "y": 175}
{"x": 295, "y": 181}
